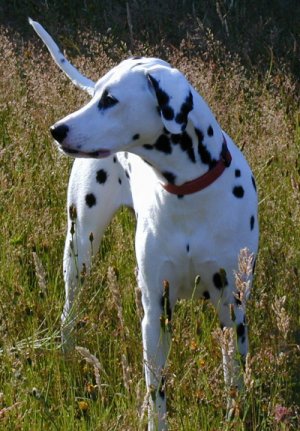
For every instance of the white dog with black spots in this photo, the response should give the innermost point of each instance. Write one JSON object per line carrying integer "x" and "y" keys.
{"x": 149, "y": 141}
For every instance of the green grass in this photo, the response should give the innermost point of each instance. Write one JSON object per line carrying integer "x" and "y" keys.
{"x": 40, "y": 389}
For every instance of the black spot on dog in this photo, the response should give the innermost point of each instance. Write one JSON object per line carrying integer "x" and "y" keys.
{"x": 180, "y": 196}
{"x": 127, "y": 174}
{"x": 186, "y": 107}
{"x": 120, "y": 181}
{"x": 176, "y": 138}
{"x": 204, "y": 154}
{"x": 162, "y": 97}
{"x": 169, "y": 177}
{"x": 167, "y": 112}
{"x": 101, "y": 176}
{"x": 240, "y": 330}
{"x": 115, "y": 159}
{"x": 163, "y": 144}
{"x": 206, "y": 295}
{"x": 188, "y": 247}
{"x": 90, "y": 200}
{"x": 238, "y": 191}
{"x": 70, "y": 151}
{"x": 210, "y": 131}
{"x": 148, "y": 146}
{"x": 252, "y": 221}
{"x": 135, "y": 137}
{"x": 220, "y": 280}
{"x": 200, "y": 135}
{"x": 253, "y": 182}
{"x": 186, "y": 144}
{"x": 237, "y": 173}
{"x": 161, "y": 390}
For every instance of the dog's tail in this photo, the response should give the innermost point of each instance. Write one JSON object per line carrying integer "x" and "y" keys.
{"x": 76, "y": 77}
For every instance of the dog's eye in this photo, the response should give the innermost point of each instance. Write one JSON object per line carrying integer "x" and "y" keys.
{"x": 107, "y": 100}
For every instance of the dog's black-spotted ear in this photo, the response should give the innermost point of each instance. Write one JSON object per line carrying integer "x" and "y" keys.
{"x": 174, "y": 97}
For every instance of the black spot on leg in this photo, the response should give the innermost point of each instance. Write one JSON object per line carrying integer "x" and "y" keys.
{"x": 238, "y": 191}
{"x": 240, "y": 330}
{"x": 135, "y": 137}
{"x": 220, "y": 279}
{"x": 115, "y": 159}
{"x": 252, "y": 221}
{"x": 237, "y": 173}
{"x": 253, "y": 182}
{"x": 101, "y": 176}
{"x": 206, "y": 295}
{"x": 90, "y": 200}
{"x": 162, "y": 390}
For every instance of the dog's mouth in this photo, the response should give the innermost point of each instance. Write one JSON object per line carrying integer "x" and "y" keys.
{"x": 98, "y": 154}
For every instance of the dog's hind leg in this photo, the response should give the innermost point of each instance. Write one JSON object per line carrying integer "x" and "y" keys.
{"x": 97, "y": 188}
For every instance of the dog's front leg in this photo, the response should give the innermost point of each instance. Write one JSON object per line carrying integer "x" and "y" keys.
{"x": 158, "y": 302}
{"x": 156, "y": 345}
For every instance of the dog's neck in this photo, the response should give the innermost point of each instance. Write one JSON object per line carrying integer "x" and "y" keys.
{"x": 180, "y": 158}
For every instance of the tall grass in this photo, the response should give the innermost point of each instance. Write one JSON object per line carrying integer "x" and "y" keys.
{"x": 100, "y": 386}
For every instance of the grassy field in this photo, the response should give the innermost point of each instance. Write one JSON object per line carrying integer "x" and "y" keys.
{"x": 100, "y": 386}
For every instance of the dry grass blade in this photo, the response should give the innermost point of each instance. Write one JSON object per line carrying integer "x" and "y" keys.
{"x": 92, "y": 360}
{"x": 243, "y": 277}
{"x": 282, "y": 318}
{"x": 6, "y": 410}
{"x": 40, "y": 273}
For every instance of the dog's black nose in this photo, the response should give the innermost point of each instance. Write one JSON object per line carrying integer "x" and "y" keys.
{"x": 59, "y": 133}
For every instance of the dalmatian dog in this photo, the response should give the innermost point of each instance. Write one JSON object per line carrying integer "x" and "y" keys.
{"x": 148, "y": 140}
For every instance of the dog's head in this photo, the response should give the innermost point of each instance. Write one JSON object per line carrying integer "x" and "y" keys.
{"x": 131, "y": 106}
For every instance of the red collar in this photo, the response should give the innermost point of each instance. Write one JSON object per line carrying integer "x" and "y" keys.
{"x": 206, "y": 179}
